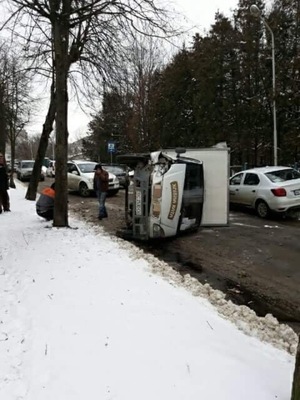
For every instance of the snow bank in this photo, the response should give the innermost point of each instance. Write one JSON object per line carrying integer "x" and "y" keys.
{"x": 267, "y": 329}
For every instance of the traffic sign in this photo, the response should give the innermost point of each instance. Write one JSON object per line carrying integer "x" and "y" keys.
{"x": 111, "y": 147}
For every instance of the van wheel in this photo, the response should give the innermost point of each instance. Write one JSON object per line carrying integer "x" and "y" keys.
{"x": 83, "y": 190}
{"x": 262, "y": 209}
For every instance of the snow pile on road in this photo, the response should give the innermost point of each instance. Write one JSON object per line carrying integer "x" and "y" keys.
{"x": 267, "y": 329}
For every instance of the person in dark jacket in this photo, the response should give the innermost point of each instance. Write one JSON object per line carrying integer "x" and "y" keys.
{"x": 4, "y": 197}
{"x": 45, "y": 203}
{"x": 101, "y": 179}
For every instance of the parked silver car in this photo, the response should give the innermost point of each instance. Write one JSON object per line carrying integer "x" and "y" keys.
{"x": 266, "y": 189}
{"x": 81, "y": 176}
{"x": 24, "y": 170}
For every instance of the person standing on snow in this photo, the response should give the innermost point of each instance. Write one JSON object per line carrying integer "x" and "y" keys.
{"x": 101, "y": 179}
{"x": 45, "y": 203}
{"x": 4, "y": 197}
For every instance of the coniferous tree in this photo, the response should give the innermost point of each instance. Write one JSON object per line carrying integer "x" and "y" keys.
{"x": 213, "y": 62}
{"x": 175, "y": 119}
{"x": 285, "y": 17}
{"x": 110, "y": 124}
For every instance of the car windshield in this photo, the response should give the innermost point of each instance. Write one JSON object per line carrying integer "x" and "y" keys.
{"x": 27, "y": 164}
{"x": 114, "y": 169}
{"x": 283, "y": 175}
{"x": 86, "y": 168}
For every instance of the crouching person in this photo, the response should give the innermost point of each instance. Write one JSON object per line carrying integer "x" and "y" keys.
{"x": 45, "y": 203}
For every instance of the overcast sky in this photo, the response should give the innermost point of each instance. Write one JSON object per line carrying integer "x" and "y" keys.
{"x": 199, "y": 16}
{"x": 202, "y": 13}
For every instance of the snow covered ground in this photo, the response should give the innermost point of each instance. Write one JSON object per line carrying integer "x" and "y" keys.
{"x": 87, "y": 316}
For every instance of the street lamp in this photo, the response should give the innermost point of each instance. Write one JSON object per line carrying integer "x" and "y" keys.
{"x": 254, "y": 10}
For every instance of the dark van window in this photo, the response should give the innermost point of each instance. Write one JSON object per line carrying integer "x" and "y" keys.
{"x": 194, "y": 177}
{"x": 193, "y": 192}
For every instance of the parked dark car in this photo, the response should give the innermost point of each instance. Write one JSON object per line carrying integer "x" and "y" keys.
{"x": 120, "y": 170}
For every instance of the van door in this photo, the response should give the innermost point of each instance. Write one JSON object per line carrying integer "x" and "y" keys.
{"x": 171, "y": 198}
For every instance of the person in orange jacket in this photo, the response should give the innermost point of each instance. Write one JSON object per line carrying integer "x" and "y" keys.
{"x": 45, "y": 203}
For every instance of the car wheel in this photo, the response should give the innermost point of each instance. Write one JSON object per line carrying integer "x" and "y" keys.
{"x": 262, "y": 209}
{"x": 83, "y": 190}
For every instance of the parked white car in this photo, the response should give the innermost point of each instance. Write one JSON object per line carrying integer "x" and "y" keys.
{"x": 81, "y": 177}
{"x": 50, "y": 171}
{"x": 266, "y": 189}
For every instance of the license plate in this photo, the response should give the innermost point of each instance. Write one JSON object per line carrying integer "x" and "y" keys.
{"x": 297, "y": 192}
{"x": 138, "y": 203}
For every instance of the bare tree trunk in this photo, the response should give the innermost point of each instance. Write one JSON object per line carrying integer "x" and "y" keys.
{"x": 81, "y": 22}
{"x": 43, "y": 144}
{"x": 296, "y": 381}
{"x": 12, "y": 164}
{"x": 2, "y": 122}
{"x": 61, "y": 41}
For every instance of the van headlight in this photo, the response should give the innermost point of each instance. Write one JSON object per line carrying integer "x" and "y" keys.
{"x": 156, "y": 196}
{"x": 156, "y": 209}
{"x": 158, "y": 231}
